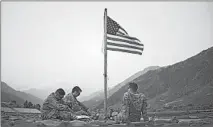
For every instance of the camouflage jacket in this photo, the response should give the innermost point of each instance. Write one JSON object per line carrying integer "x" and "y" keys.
{"x": 51, "y": 107}
{"x": 133, "y": 105}
{"x": 73, "y": 103}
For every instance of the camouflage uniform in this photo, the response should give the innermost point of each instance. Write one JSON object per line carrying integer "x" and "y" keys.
{"x": 75, "y": 105}
{"x": 55, "y": 109}
{"x": 133, "y": 106}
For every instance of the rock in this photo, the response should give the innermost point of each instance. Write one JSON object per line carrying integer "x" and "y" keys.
{"x": 77, "y": 123}
{"x": 140, "y": 123}
{"x": 110, "y": 122}
{"x": 13, "y": 118}
{"x": 209, "y": 120}
{"x": 129, "y": 124}
{"x": 182, "y": 123}
{"x": 64, "y": 124}
{"x": 49, "y": 122}
{"x": 12, "y": 123}
{"x": 159, "y": 121}
{"x": 193, "y": 117}
{"x": 159, "y": 125}
{"x": 40, "y": 124}
{"x": 30, "y": 120}
{"x": 5, "y": 117}
{"x": 99, "y": 123}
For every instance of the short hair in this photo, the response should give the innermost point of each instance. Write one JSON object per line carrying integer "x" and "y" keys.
{"x": 133, "y": 86}
{"x": 77, "y": 89}
{"x": 60, "y": 91}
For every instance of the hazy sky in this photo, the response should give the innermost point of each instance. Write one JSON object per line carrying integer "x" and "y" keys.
{"x": 58, "y": 44}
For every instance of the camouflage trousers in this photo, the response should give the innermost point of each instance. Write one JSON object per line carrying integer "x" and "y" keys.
{"x": 55, "y": 114}
{"x": 132, "y": 117}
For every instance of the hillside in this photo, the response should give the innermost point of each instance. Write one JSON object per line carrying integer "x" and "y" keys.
{"x": 9, "y": 94}
{"x": 44, "y": 92}
{"x": 96, "y": 98}
{"x": 40, "y": 93}
{"x": 6, "y": 97}
{"x": 186, "y": 82}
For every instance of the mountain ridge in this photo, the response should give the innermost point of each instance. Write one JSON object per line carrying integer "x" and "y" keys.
{"x": 97, "y": 97}
{"x": 183, "y": 82}
{"x": 10, "y": 94}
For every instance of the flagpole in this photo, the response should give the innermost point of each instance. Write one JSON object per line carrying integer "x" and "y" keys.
{"x": 105, "y": 62}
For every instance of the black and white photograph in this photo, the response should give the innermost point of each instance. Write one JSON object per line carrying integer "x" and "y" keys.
{"x": 106, "y": 63}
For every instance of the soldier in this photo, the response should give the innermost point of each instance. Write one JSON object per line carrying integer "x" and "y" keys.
{"x": 134, "y": 104}
{"x": 76, "y": 106}
{"x": 54, "y": 107}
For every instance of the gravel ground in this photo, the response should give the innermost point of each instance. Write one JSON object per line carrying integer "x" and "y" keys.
{"x": 32, "y": 123}
{"x": 16, "y": 121}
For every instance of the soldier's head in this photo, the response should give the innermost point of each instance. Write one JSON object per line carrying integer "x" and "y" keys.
{"x": 76, "y": 91}
{"x": 133, "y": 86}
{"x": 59, "y": 93}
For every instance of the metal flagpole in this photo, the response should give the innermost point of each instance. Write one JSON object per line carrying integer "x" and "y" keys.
{"x": 105, "y": 62}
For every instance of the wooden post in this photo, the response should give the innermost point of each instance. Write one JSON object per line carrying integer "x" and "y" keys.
{"x": 105, "y": 62}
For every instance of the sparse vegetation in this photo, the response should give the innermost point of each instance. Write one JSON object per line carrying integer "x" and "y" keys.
{"x": 9, "y": 94}
{"x": 188, "y": 84}
{"x": 30, "y": 105}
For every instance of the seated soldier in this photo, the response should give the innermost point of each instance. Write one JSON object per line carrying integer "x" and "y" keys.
{"x": 76, "y": 106}
{"x": 54, "y": 107}
{"x": 134, "y": 103}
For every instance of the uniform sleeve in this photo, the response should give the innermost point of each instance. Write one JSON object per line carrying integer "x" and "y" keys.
{"x": 144, "y": 108}
{"x": 68, "y": 101}
{"x": 125, "y": 105}
{"x": 83, "y": 106}
{"x": 54, "y": 104}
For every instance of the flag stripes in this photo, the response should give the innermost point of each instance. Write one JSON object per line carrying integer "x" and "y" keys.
{"x": 123, "y": 45}
{"x": 122, "y": 39}
{"x": 124, "y": 50}
{"x": 119, "y": 40}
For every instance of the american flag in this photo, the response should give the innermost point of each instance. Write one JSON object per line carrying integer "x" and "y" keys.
{"x": 119, "y": 40}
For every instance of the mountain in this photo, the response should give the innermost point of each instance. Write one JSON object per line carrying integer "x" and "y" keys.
{"x": 6, "y": 97}
{"x": 40, "y": 93}
{"x": 8, "y": 94}
{"x": 43, "y": 93}
{"x": 96, "y": 98}
{"x": 187, "y": 82}
{"x": 117, "y": 87}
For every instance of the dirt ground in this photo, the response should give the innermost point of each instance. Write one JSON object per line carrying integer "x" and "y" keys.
{"x": 206, "y": 121}
{"x": 31, "y": 123}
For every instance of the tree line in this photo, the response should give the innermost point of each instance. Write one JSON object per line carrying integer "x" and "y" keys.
{"x": 27, "y": 104}
{"x": 31, "y": 105}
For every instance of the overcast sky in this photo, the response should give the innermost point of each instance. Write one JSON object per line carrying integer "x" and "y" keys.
{"x": 58, "y": 44}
